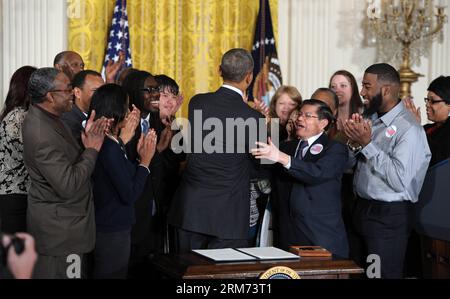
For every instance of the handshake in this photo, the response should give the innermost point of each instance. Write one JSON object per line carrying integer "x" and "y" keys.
{"x": 18, "y": 254}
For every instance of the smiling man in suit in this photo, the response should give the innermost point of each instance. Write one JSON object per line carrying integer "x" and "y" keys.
{"x": 211, "y": 207}
{"x": 308, "y": 182}
{"x": 84, "y": 84}
{"x": 60, "y": 214}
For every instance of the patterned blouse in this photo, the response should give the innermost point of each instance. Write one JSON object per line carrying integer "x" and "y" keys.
{"x": 14, "y": 178}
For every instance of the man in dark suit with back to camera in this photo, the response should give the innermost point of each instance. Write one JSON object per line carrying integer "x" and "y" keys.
{"x": 307, "y": 192}
{"x": 211, "y": 207}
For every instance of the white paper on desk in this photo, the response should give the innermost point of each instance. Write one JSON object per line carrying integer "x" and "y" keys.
{"x": 268, "y": 253}
{"x": 224, "y": 255}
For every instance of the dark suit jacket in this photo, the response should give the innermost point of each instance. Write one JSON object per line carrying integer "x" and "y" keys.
{"x": 73, "y": 120}
{"x": 60, "y": 213}
{"x": 439, "y": 141}
{"x": 118, "y": 183}
{"x": 214, "y": 194}
{"x": 308, "y": 198}
{"x": 141, "y": 230}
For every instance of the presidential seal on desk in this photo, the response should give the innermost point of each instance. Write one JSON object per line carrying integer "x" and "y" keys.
{"x": 280, "y": 272}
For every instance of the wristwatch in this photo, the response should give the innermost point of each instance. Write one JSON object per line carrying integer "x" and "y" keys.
{"x": 354, "y": 148}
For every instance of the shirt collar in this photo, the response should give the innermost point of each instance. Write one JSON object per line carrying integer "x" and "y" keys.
{"x": 234, "y": 89}
{"x": 147, "y": 118}
{"x": 313, "y": 139}
{"x": 389, "y": 117}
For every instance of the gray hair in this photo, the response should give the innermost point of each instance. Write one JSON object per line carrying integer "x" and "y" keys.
{"x": 41, "y": 82}
{"x": 236, "y": 64}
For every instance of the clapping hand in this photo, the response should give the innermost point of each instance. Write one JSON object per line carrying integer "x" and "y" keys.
{"x": 165, "y": 138}
{"x": 409, "y": 104}
{"x": 94, "y": 133}
{"x": 112, "y": 68}
{"x": 146, "y": 147}
{"x": 358, "y": 130}
{"x": 131, "y": 122}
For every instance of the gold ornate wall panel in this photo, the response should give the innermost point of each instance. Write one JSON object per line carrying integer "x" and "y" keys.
{"x": 88, "y": 29}
{"x": 184, "y": 39}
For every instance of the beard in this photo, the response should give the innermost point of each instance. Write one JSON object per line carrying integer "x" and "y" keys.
{"x": 374, "y": 105}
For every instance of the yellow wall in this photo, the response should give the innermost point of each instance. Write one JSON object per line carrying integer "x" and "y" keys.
{"x": 183, "y": 39}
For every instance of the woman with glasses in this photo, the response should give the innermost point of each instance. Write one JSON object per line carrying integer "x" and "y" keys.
{"x": 14, "y": 179}
{"x": 438, "y": 111}
{"x": 437, "y": 104}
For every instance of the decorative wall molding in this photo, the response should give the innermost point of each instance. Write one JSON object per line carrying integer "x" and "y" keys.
{"x": 34, "y": 31}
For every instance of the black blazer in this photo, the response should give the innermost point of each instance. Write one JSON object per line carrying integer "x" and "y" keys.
{"x": 142, "y": 229}
{"x": 439, "y": 141}
{"x": 214, "y": 194}
{"x": 307, "y": 198}
{"x": 118, "y": 183}
{"x": 73, "y": 120}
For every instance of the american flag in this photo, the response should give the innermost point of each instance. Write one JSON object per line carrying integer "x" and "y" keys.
{"x": 266, "y": 70}
{"x": 119, "y": 37}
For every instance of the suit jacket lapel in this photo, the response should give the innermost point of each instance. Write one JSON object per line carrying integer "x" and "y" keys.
{"x": 322, "y": 140}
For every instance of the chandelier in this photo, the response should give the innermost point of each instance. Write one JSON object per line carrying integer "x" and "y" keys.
{"x": 403, "y": 31}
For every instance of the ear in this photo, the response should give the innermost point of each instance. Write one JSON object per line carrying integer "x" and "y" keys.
{"x": 323, "y": 123}
{"x": 385, "y": 90}
{"x": 249, "y": 78}
{"x": 77, "y": 92}
{"x": 49, "y": 97}
{"x": 58, "y": 67}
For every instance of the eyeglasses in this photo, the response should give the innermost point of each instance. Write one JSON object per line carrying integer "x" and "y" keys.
{"x": 151, "y": 89}
{"x": 307, "y": 115}
{"x": 431, "y": 101}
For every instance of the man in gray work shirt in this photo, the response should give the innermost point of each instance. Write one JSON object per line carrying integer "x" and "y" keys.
{"x": 392, "y": 156}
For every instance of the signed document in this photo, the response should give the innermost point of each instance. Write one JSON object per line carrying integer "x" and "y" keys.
{"x": 245, "y": 254}
{"x": 268, "y": 253}
{"x": 224, "y": 255}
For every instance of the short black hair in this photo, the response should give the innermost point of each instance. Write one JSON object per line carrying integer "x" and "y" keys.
{"x": 441, "y": 87}
{"x": 385, "y": 72}
{"x": 323, "y": 111}
{"x": 60, "y": 56}
{"x": 110, "y": 101}
{"x": 165, "y": 82}
{"x": 236, "y": 64}
{"x": 79, "y": 79}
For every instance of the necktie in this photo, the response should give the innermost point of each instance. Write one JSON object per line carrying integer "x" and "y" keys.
{"x": 145, "y": 126}
{"x": 303, "y": 144}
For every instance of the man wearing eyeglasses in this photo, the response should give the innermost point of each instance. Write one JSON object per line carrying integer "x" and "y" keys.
{"x": 306, "y": 193}
{"x": 392, "y": 156}
{"x": 84, "y": 84}
{"x": 60, "y": 213}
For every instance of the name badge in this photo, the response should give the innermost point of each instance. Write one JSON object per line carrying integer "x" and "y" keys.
{"x": 391, "y": 131}
{"x": 316, "y": 149}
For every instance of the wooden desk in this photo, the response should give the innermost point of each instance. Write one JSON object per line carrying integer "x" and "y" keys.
{"x": 193, "y": 266}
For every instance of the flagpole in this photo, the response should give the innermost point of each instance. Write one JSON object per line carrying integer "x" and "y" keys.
{"x": 262, "y": 56}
